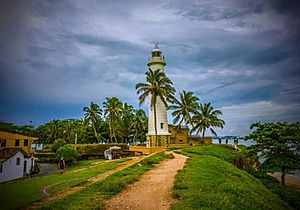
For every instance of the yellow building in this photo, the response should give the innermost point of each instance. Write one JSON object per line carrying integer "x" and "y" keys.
{"x": 13, "y": 140}
{"x": 179, "y": 135}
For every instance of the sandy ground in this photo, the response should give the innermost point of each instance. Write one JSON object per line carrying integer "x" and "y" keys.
{"x": 152, "y": 191}
{"x": 290, "y": 180}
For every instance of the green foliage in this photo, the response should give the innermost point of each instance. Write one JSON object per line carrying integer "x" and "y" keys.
{"x": 157, "y": 85}
{"x": 91, "y": 196}
{"x": 20, "y": 129}
{"x": 18, "y": 193}
{"x": 184, "y": 108}
{"x": 208, "y": 181}
{"x": 87, "y": 150}
{"x": 69, "y": 154}
{"x": 35, "y": 169}
{"x": 113, "y": 110}
{"x": 278, "y": 144}
{"x": 290, "y": 196}
{"x": 206, "y": 117}
{"x": 57, "y": 144}
{"x": 46, "y": 157}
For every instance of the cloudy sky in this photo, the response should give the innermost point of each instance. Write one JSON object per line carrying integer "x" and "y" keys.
{"x": 58, "y": 56}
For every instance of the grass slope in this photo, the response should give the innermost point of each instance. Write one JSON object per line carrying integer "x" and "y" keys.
{"x": 92, "y": 196}
{"x": 21, "y": 192}
{"x": 208, "y": 181}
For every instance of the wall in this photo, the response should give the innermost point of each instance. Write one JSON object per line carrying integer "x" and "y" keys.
{"x": 178, "y": 136}
{"x": 11, "y": 139}
{"x": 10, "y": 170}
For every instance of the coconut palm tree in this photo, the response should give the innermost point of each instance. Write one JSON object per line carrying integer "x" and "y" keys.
{"x": 157, "y": 85}
{"x": 184, "y": 108}
{"x": 206, "y": 117}
{"x": 127, "y": 114}
{"x": 112, "y": 110}
{"x": 92, "y": 115}
{"x": 139, "y": 123}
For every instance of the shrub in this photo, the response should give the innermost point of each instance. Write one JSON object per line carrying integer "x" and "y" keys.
{"x": 35, "y": 169}
{"x": 46, "y": 157}
{"x": 90, "y": 150}
{"x": 69, "y": 154}
{"x": 57, "y": 144}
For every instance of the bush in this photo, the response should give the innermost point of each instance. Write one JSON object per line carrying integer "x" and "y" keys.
{"x": 96, "y": 150}
{"x": 46, "y": 157}
{"x": 57, "y": 144}
{"x": 69, "y": 154}
{"x": 35, "y": 169}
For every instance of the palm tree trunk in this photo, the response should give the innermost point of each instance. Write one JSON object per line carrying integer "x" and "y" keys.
{"x": 203, "y": 135}
{"x": 155, "y": 126}
{"x": 95, "y": 132}
{"x": 110, "y": 131}
{"x": 135, "y": 137}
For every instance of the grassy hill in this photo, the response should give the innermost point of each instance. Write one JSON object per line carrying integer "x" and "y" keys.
{"x": 209, "y": 181}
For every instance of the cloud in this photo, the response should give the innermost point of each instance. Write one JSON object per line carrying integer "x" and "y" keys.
{"x": 68, "y": 53}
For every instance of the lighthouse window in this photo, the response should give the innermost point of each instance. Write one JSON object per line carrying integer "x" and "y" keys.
{"x": 161, "y": 125}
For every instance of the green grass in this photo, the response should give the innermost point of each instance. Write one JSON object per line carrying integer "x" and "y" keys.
{"x": 92, "y": 196}
{"x": 21, "y": 192}
{"x": 208, "y": 181}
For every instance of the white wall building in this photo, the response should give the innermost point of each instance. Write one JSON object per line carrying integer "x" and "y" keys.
{"x": 14, "y": 163}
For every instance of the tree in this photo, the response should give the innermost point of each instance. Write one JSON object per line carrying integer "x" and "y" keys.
{"x": 278, "y": 144}
{"x": 127, "y": 115}
{"x": 92, "y": 115}
{"x": 69, "y": 154}
{"x": 112, "y": 110}
{"x": 139, "y": 123}
{"x": 184, "y": 108}
{"x": 157, "y": 85}
{"x": 206, "y": 117}
{"x": 53, "y": 131}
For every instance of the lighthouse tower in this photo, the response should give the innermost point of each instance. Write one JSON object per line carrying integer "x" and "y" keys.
{"x": 157, "y": 63}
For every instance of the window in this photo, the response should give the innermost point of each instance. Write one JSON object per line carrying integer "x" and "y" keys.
{"x": 18, "y": 161}
{"x": 162, "y": 125}
{"x": 2, "y": 142}
{"x": 17, "y": 142}
{"x": 1, "y": 168}
{"x": 25, "y": 142}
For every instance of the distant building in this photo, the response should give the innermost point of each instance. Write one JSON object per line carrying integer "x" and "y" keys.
{"x": 194, "y": 140}
{"x": 13, "y": 140}
{"x": 180, "y": 136}
{"x": 14, "y": 163}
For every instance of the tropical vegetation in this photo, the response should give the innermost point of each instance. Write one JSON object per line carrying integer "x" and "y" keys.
{"x": 157, "y": 87}
{"x": 277, "y": 146}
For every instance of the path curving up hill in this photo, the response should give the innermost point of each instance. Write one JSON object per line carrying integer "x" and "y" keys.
{"x": 152, "y": 191}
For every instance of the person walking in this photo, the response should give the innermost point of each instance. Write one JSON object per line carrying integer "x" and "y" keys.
{"x": 62, "y": 165}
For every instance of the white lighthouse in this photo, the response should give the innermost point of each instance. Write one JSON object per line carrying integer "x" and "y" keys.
{"x": 157, "y": 63}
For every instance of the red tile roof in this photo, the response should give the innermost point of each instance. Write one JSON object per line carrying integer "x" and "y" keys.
{"x": 6, "y": 153}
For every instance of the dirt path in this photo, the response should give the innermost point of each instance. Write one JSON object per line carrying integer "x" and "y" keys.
{"x": 152, "y": 191}
{"x": 68, "y": 191}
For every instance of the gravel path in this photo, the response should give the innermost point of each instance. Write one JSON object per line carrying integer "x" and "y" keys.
{"x": 152, "y": 191}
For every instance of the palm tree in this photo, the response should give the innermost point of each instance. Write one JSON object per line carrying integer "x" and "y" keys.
{"x": 53, "y": 131}
{"x": 127, "y": 114}
{"x": 157, "y": 85}
{"x": 112, "y": 109}
{"x": 205, "y": 118}
{"x": 92, "y": 115}
{"x": 184, "y": 108}
{"x": 139, "y": 123}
